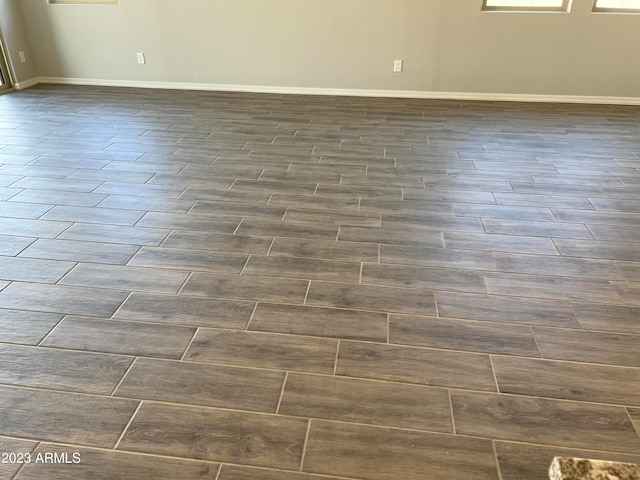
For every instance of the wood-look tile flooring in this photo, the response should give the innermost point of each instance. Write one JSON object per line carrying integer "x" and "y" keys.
{"x": 233, "y": 286}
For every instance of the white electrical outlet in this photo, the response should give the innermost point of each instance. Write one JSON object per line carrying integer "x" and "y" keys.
{"x": 23, "y": 58}
{"x": 141, "y": 59}
{"x": 397, "y": 66}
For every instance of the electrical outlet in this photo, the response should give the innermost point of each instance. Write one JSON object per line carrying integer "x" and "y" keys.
{"x": 397, "y": 66}
{"x": 141, "y": 59}
{"x": 23, "y": 58}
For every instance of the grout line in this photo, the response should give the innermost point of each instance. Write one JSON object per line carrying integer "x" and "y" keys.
{"x": 453, "y": 421}
{"x": 180, "y": 289}
{"x": 238, "y": 226}
{"x": 304, "y": 446}
{"x": 273, "y": 240}
{"x": 189, "y": 344}
{"x": 284, "y": 383}
{"x": 126, "y": 372}
{"x": 126, "y": 427}
{"x": 493, "y": 373}
{"x": 535, "y": 341}
{"x": 495, "y": 457}
{"x": 306, "y": 294}
{"x": 246, "y": 262}
{"x": 53, "y": 329}
{"x": 22, "y": 466}
{"x": 388, "y": 328}
{"x": 255, "y": 307}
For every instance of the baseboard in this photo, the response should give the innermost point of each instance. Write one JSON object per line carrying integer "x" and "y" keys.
{"x": 493, "y": 97}
{"x": 27, "y": 83}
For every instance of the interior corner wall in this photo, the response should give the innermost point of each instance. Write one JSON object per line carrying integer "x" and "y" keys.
{"x": 15, "y": 40}
{"x": 446, "y": 45}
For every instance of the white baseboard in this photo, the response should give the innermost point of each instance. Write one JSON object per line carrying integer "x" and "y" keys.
{"x": 27, "y": 83}
{"x": 494, "y": 97}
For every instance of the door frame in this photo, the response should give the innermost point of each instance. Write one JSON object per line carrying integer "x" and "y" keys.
{"x": 6, "y": 82}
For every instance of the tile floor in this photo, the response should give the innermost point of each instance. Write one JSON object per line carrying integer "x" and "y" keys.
{"x": 237, "y": 286}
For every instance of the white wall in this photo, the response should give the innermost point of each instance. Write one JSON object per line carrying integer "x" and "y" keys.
{"x": 446, "y": 45}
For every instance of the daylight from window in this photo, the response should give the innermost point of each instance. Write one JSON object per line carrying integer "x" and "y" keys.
{"x": 525, "y": 3}
{"x": 617, "y": 5}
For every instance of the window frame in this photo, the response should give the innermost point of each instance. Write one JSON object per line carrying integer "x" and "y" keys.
{"x": 564, "y": 8}
{"x": 597, "y": 9}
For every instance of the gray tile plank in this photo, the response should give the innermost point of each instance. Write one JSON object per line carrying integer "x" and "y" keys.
{"x": 544, "y": 421}
{"x": 365, "y": 297}
{"x": 522, "y": 460}
{"x": 13, "y": 245}
{"x": 219, "y": 242}
{"x": 483, "y": 337}
{"x": 415, "y": 365}
{"x": 270, "y": 228}
{"x": 63, "y": 417}
{"x": 114, "y": 234}
{"x": 61, "y": 370}
{"x": 116, "y": 336}
{"x": 27, "y": 328}
{"x": 60, "y": 299}
{"x": 536, "y": 229}
{"x": 234, "y": 472}
{"x": 217, "y": 435}
{"x": 553, "y": 287}
{"x": 94, "y": 463}
{"x": 432, "y": 222}
{"x": 423, "y": 277}
{"x": 558, "y": 266}
{"x": 125, "y": 278}
{"x": 23, "y": 210}
{"x": 80, "y": 251}
{"x": 378, "y": 453}
{"x": 437, "y": 257}
{"x": 608, "y": 318}
{"x": 317, "y": 202}
{"x": 325, "y": 249}
{"x": 263, "y": 350}
{"x": 598, "y": 249}
{"x": 187, "y": 311}
{"x": 568, "y": 380}
{"x": 392, "y": 236}
{"x": 103, "y": 216}
{"x": 187, "y": 259}
{"x": 379, "y": 403}
{"x": 506, "y": 309}
{"x": 500, "y": 243}
{"x": 199, "y": 384}
{"x": 25, "y": 227}
{"x": 150, "y": 204}
{"x": 189, "y": 221}
{"x": 588, "y": 346}
{"x": 15, "y": 446}
{"x": 247, "y": 287}
{"x": 320, "y": 322}
{"x": 324, "y": 217}
{"x": 33, "y": 270}
{"x": 302, "y": 268}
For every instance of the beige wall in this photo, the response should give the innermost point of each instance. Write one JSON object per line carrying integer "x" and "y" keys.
{"x": 15, "y": 40}
{"x": 446, "y": 45}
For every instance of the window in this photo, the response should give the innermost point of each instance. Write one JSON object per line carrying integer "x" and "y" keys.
{"x": 526, "y": 5}
{"x": 622, "y": 6}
